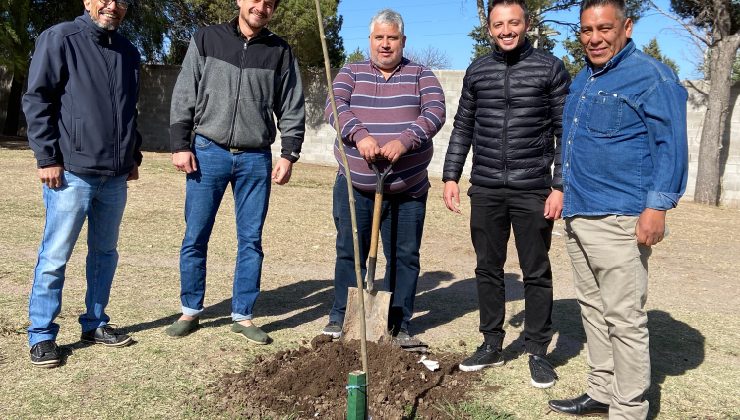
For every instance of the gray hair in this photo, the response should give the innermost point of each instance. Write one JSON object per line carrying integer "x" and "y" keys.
{"x": 389, "y": 17}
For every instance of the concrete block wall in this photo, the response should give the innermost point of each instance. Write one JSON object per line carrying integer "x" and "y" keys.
{"x": 158, "y": 81}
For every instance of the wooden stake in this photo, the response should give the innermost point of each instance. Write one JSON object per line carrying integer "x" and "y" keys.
{"x": 357, "y": 396}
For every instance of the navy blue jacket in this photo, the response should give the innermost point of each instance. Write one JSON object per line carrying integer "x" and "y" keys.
{"x": 80, "y": 105}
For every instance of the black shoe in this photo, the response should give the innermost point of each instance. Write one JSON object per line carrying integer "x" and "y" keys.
{"x": 45, "y": 354}
{"x": 486, "y": 355}
{"x": 333, "y": 328}
{"x": 579, "y": 406}
{"x": 107, "y": 336}
{"x": 543, "y": 374}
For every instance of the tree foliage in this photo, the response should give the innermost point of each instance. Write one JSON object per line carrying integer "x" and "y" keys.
{"x": 295, "y": 20}
{"x": 355, "y": 56}
{"x": 653, "y": 49}
{"x": 574, "y": 60}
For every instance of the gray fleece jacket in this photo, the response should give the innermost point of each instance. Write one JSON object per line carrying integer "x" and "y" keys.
{"x": 230, "y": 90}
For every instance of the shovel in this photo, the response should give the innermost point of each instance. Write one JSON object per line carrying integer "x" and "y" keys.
{"x": 377, "y": 303}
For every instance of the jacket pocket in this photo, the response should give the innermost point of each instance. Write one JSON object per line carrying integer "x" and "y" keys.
{"x": 605, "y": 114}
{"x": 77, "y": 135}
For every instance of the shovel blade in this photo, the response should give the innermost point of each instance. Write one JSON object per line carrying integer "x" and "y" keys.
{"x": 377, "y": 305}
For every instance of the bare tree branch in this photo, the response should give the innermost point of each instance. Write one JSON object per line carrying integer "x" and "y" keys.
{"x": 689, "y": 28}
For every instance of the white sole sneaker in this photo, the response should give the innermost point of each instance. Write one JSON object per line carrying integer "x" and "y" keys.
{"x": 541, "y": 385}
{"x": 475, "y": 368}
{"x": 333, "y": 335}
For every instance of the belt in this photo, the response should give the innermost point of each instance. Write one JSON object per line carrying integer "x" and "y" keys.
{"x": 233, "y": 150}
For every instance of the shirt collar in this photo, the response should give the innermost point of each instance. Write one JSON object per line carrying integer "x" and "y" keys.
{"x": 264, "y": 32}
{"x": 625, "y": 52}
{"x": 404, "y": 62}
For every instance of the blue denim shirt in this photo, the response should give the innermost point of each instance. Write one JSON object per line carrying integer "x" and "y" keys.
{"x": 624, "y": 138}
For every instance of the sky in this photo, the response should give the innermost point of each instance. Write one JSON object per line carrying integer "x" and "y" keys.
{"x": 445, "y": 25}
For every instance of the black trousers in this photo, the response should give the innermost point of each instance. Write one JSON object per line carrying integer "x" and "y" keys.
{"x": 494, "y": 212}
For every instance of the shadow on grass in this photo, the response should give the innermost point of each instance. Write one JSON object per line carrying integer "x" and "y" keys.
{"x": 313, "y": 296}
{"x": 675, "y": 347}
{"x": 449, "y": 302}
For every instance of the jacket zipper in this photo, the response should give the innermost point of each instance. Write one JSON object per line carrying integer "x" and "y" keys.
{"x": 238, "y": 92}
{"x": 111, "y": 87}
{"x": 505, "y": 134}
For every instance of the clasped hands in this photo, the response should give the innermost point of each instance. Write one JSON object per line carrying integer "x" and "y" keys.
{"x": 370, "y": 151}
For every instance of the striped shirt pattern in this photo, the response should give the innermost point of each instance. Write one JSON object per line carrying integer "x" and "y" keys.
{"x": 409, "y": 106}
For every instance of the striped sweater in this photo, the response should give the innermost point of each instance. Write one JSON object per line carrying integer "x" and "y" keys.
{"x": 409, "y": 106}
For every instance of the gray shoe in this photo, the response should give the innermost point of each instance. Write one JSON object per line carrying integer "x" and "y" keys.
{"x": 333, "y": 328}
{"x": 181, "y": 328}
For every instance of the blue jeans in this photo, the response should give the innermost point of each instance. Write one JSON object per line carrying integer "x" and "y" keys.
{"x": 401, "y": 229}
{"x": 100, "y": 200}
{"x": 248, "y": 173}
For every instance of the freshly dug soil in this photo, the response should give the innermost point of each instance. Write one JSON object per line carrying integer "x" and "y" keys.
{"x": 310, "y": 382}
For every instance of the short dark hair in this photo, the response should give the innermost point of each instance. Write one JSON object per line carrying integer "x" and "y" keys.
{"x": 620, "y": 5}
{"x": 520, "y": 3}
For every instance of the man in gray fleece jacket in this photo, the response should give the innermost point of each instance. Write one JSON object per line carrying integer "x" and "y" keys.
{"x": 235, "y": 79}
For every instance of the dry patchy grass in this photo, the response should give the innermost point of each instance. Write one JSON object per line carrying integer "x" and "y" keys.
{"x": 692, "y": 306}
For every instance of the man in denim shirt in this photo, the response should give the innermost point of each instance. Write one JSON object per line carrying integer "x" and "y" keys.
{"x": 624, "y": 165}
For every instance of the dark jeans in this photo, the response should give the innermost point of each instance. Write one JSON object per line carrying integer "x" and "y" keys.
{"x": 494, "y": 211}
{"x": 401, "y": 228}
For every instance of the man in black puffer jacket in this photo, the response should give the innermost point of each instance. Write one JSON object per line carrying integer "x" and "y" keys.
{"x": 510, "y": 112}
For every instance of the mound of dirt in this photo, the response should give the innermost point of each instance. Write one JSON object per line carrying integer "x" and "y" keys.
{"x": 310, "y": 382}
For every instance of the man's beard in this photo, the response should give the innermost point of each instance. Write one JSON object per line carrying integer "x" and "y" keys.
{"x": 109, "y": 26}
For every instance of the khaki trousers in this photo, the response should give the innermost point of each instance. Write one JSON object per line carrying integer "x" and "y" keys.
{"x": 610, "y": 272}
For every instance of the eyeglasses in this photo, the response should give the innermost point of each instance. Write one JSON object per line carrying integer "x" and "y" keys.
{"x": 120, "y": 4}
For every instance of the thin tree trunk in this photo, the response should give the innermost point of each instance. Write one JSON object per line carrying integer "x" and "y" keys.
{"x": 13, "y": 111}
{"x": 708, "y": 182}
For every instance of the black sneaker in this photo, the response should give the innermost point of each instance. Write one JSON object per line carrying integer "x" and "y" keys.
{"x": 486, "y": 355}
{"x": 543, "y": 374}
{"x": 107, "y": 336}
{"x": 45, "y": 354}
{"x": 333, "y": 328}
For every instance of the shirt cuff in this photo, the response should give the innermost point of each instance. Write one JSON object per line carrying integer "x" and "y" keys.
{"x": 358, "y": 135}
{"x": 407, "y": 141}
{"x": 661, "y": 201}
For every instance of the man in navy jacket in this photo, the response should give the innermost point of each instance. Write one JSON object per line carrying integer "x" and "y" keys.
{"x": 81, "y": 110}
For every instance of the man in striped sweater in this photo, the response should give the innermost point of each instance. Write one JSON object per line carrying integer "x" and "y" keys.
{"x": 389, "y": 110}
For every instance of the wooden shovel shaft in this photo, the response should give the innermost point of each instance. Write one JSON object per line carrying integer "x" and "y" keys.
{"x": 372, "y": 259}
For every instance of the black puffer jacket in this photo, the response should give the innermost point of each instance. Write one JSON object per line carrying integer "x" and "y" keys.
{"x": 510, "y": 111}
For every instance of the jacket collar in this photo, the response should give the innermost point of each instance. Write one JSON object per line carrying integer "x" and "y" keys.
{"x": 622, "y": 55}
{"x": 263, "y": 33}
{"x": 96, "y": 32}
{"x": 514, "y": 56}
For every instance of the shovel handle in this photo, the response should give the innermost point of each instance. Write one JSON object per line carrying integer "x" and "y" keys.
{"x": 375, "y": 232}
{"x": 373, "y": 258}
